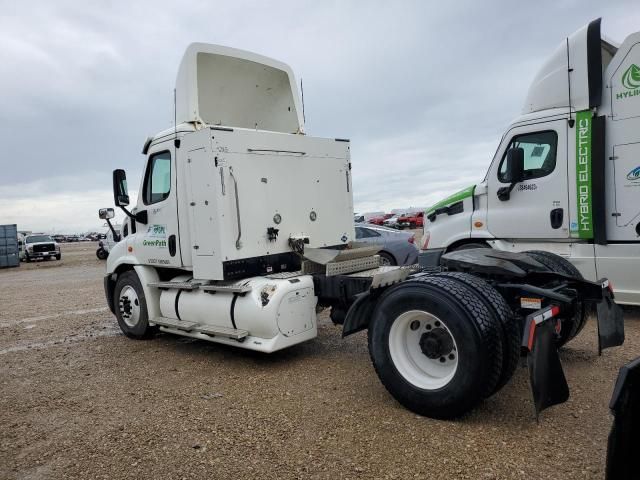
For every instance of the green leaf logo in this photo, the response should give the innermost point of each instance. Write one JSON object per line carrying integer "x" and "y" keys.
{"x": 631, "y": 77}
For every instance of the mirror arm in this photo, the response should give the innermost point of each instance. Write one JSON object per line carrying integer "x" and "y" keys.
{"x": 140, "y": 217}
{"x": 504, "y": 193}
{"x": 116, "y": 237}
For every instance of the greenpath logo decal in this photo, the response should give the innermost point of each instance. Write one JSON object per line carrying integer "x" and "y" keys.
{"x": 583, "y": 174}
{"x": 630, "y": 81}
{"x": 156, "y": 236}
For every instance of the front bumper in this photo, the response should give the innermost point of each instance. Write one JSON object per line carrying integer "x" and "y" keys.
{"x": 430, "y": 258}
{"x": 42, "y": 254}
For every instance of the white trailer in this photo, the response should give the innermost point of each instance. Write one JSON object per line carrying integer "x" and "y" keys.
{"x": 566, "y": 175}
{"x": 244, "y": 226}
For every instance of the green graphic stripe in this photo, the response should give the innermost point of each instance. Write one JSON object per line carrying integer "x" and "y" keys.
{"x": 583, "y": 174}
{"x": 456, "y": 197}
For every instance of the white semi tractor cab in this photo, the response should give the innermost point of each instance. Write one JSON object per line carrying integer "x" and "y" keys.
{"x": 243, "y": 227}
{"x": 566, "y": 175}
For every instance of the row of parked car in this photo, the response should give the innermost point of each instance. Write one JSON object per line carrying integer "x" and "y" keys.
{"x": 394, "y": 220}
{"x": 89, "y": 237}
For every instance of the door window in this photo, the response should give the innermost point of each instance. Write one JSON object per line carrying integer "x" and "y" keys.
{"x": 365, "y": 233}
{"x": 157, "y": 184}
{"x": 539, "y": 154}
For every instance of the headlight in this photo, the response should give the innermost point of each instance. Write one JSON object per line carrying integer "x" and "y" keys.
{"x": 30, "y": 248}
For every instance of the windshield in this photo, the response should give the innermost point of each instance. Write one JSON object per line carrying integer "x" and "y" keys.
{"x": 38, "y": 238}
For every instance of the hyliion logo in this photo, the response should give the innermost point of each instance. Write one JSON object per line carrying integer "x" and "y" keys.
{"x": 630, "y": 81}
{"x": 631, "y": 77}
{"x": 634, "y": 175}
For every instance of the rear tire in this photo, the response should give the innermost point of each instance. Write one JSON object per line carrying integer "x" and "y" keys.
{"x": 131, "y": 307}
{"x": 469, "y": 246}
{"x": 102, "y": 254}
{"x": 511, "y": 329}
{"x": 58, "y": 256}
{"x": 435, "y": 346}
{"x": 555, "y": 263}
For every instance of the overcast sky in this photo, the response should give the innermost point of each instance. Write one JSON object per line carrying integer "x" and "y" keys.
{"x": 423, "y": 89}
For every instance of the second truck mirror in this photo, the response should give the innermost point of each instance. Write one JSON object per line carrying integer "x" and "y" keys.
{"x": 120, "y": 192}
{"x": 106, "y": 213}
{"x": 515, "y": 165}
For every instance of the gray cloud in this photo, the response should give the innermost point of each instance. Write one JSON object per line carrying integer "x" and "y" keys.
{"x": 423, "y": 89}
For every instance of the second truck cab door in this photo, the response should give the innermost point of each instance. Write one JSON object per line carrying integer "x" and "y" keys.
{"x": 157, "y": 242}
{"x": 538, "y": 205}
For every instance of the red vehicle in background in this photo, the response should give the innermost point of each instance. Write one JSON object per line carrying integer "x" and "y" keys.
{"x": 380, "y": 220}
{"x": 415, "y": 219}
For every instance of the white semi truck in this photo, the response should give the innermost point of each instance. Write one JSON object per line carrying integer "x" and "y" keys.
{"x": 244, "y": 227}
{"x": 566, "y": 175}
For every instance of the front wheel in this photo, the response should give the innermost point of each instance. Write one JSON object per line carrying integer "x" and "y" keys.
{"x": 131, "y": 307}
{"x": 102, "y": 254}
{"x": 435, "y": 346}
{"x": 58, "y": 256}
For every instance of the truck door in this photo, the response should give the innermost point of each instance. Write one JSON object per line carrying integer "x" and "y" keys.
{"x": 157, "y": 242}
{"x": 537, "y": 206}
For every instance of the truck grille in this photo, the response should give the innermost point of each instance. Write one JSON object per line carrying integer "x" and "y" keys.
{"x": 45, "y": 247}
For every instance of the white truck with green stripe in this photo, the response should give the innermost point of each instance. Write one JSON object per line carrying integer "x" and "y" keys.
{"x": 566, "y": 175}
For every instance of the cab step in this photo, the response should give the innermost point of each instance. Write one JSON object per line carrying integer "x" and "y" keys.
{"x": 193, "y": 327}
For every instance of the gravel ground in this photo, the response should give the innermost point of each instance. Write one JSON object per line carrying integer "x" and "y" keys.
{"x": 80, "y": 400}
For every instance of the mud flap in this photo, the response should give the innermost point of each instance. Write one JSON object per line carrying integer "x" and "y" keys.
{"x": 548, "y": 384}
{"x": 610, "y": 320}
{"x": 623, "y": 462}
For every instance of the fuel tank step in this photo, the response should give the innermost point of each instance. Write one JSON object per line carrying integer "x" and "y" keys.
{"x": 234, "y": 333}
{"x": 226, "y": 288}
{"x": 178, "y": 285}
{"x": 175, "y": 323}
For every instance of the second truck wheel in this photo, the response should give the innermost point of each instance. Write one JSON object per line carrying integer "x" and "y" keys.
{"x": 435, "y": 346}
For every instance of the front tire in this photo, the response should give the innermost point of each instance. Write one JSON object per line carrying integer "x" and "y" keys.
{"x": 435, "y": 346}
{"x": 131, "y": 307}
{"x": 58, "y": 256}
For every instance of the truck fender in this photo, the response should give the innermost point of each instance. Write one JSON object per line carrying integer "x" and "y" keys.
{"x": 148, "y": 275}
{"x": 359, "y": 313}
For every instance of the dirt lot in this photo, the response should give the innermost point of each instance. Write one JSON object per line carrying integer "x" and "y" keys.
{"x": 80, "y": 400}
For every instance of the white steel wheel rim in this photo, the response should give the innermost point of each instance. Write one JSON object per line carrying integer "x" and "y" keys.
{"x": 408, "y": 356}
{"x": 384, "y": 261}
{"x": 129, "y": 306}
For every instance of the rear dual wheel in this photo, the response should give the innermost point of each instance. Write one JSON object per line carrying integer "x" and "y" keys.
{"x": 571, "y": 326}
{"x": 436, "y": 346}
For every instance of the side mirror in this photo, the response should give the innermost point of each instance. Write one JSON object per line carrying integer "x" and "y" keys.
{"x": 120, "y": 192}
{"x": 515, "y": 165}
{"x": 106, "y": 213}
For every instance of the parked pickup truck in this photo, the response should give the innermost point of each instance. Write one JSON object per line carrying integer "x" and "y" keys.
{"x": 40, "y": 246}
{"x": 415, "y": 219}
